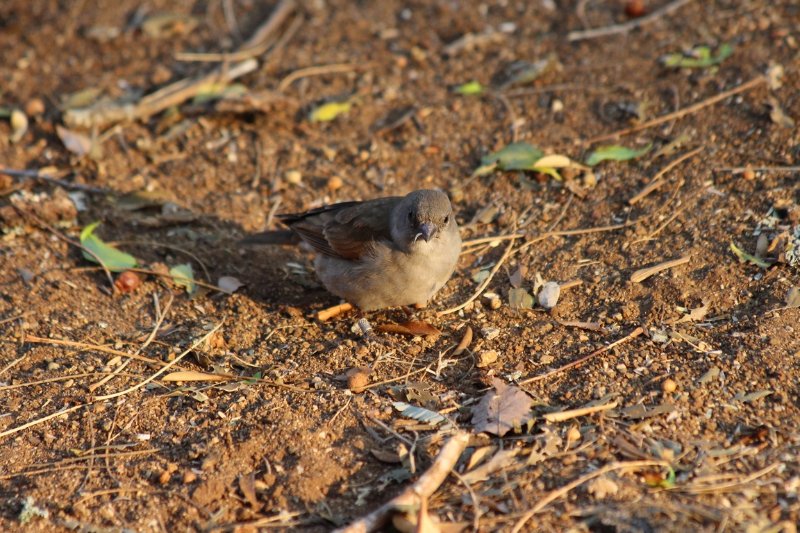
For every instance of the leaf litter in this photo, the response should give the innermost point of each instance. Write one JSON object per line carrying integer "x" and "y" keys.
{"x": 504, "y": 409}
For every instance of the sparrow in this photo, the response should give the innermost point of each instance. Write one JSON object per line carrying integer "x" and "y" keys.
{"x": 386, "y": 252}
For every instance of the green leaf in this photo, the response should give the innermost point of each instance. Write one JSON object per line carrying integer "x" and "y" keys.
{"x": 183, "y": 276}
{"x": 329, "y": 111}
{"x": 699, "y": 57}
{"x": 744, "y": 256}
{"x": 113, "y": 259}
{"x": 515, "y": 156}
{"x": 615, "y": 153}
{"x": 471, "y": 88}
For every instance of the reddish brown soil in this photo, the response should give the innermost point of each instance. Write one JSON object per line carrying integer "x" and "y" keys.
{"x": 178, "y": 456}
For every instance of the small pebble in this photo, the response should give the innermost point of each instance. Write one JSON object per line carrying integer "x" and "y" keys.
{"x": 549, "y": 294}
{"x": 669, "y": 385}
{"x": 293, "y": 177}
{"x": 163, "y": 479}
{"x": 573, "y": 434}
{"x": 486, "y": 358}
{"x": 189, "y": 477}
{"x": 357, "y": 380}
{"x": 749, "y": 174}
{"x": 335, "y": 183}
{"x": 34, "y": 107}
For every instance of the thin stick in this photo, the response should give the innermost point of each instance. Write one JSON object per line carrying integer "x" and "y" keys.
{"x": 37, "y": 175}
{"x": 497, "y": 238}
{"x": 42, "y": 224}
{"x": 160, "y": 316}
{"x": 336, "y": 310}
{"x": 755, "y": 82}
{"x": 104, "y": 114}
{"x": 632, "y": 335}
{"x": 656, "y": 182}
{"x": 12, "y": 364}
{"x": 162, "y": 370}
{"x": 699, "y": 488}
{"x": 98, "y": 348}
{"x": 319, "y": 70}
{"x": 562, "y": 416}
{"x": 483, "y": 285}
{"x": 170, "y": 247}
{"x": 740, "y": 170}
{"x": 42, "y": 420}
{"x": 424, "y": 487}
{"x": 563, "y": 491}
{"x": 644, "y": 273}
{"x": 255, "y": 45}
{"x": 625, "y": 27}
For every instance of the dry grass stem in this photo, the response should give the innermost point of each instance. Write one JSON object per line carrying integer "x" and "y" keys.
{"x": 632, "y": 335}
{"x": 561, "y": 416}
{"x": 625, "y": 27}
{"x": 423, "y": 488}
{"x": 755, "y": 82}
{"x": 336, "y": 310}
{"x": 656, "y": 182}
{"x": 319, "y": 70}
{"x": 644, "y": 273}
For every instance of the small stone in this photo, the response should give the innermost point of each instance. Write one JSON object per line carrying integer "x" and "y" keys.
{"x": 163, "y": 478}
{"x": 486, "y": 358}
{"x": 335, "y": 183}
{"x": 357, "y": 380}
{"x": 293, "y": 177}
{"x": 669, "y": 385}
{"x": 749, "y": 174}
{"x": 573, "y": 434}
{"x": 189, "y": 477}
{"x": 34, "y": 107}
{"x": 549, "y": 294}
{"x": 490, "y": 333}
{"x": 52, "y": 365}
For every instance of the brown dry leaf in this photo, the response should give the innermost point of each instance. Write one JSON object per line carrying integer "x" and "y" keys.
{"x": 501, "y": 410}
{"x": 695, "y": 315}
{"x": 793, "y": 297}
{"x": 465, "y": 341}
{"x": 499, "y": 461}
{"x": 192, "y": 375}
{"x": 479, "y": 455}
{"x": 602, "y": 487}
{"x": 590, "y": 326}
{"x": 77, "y": 143}
{"x": 247, "y": 484}
{"x": 416, "y": 328}
{"x": 385, "y": 456}
{"x": 778, "y": 115}
{"x": 517, "y": 276}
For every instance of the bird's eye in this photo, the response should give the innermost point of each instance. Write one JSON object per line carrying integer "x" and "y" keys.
{"x": 410, "y": 215}
{"x": 446, "y": 219}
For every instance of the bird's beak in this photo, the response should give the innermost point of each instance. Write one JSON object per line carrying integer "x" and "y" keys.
{"x": 427, "y": 230}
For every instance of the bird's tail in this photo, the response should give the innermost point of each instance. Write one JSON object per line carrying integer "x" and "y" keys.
{"x": 271, "y": 238}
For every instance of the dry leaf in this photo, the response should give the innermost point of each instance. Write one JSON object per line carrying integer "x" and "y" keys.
{"x": 77, "y": 143}
{"x": 19, "y": 125}
{"x": 412, "y": 327}
{"x": 793, "y": 297}
{"x": 193, "y": 375}
{"x": 465, "y": 341}
{"x": 602, "y": 487}
{"x": 501, "y": 410}
{"x": 500, "y": 460}
{"x": 229, "y": 284}
{"x": 247, "y": 484}
{"x": 778, "y": 115}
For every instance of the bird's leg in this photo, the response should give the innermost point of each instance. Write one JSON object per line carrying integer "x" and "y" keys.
{"x": 336, "y": 310}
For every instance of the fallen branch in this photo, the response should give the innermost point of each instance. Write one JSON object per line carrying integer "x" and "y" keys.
{"x": 104, "y": 113}
{"x": 257, "y": 44}
{"x": 424, "y": 488}
{"x": 563, "y": 491}
{"x": 755, "y": 82}
{"x": 625, "y": 27}
{"x": 632, "y": 335}
{"x": 657, "y": 182}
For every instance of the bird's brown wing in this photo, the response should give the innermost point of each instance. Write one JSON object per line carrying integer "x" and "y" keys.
{"x": 344, "y": 230}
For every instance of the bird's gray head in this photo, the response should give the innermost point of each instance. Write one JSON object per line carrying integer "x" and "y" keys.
{"x": 421, "y": 217}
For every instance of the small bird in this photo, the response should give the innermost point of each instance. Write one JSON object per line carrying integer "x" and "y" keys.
{"x": 387, "y": 252}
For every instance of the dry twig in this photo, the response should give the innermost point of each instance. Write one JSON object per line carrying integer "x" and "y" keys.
{"x": 424, "y": 487}
{"x": 755, "y": 82}
{"x": 625, "y": 27}
{"x": 635, "y": 333}
{"x": 561, "y": 416}
{"x": 657, "y": 182}
{"x": 644, "y": 273}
